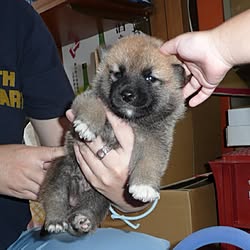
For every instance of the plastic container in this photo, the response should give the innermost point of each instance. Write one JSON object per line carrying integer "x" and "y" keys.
{"x": 232, "y": 180}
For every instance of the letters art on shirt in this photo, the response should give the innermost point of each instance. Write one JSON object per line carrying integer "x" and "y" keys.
{"x": 9, "y": 96}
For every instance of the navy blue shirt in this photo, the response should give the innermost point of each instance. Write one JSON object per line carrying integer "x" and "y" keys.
{"x": 32, "y": 84}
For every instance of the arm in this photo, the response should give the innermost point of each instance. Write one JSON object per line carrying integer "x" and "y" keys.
{"x": 51, "y": 132}
{"x": 109, "y": 175}
{"x": 46, "y": 93}
{"x": 24, "y": 167}
{"x": 232, "y": 39}
{"x": 209, "y": 55}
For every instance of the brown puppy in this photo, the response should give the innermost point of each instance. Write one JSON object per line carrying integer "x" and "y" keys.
{"x": 141, "y": 85}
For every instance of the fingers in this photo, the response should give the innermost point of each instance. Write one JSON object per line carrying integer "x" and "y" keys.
{"x": 98, "y": 144}
{"x": 191, "y": 87}
{"x": 101, "y": 170}
{"x": 28, "y": 189}
{"x": 115, "y": 157}
{"x": 33, "y": 178}
{"x": 33, "y": 192}
{"x": 70, "y": 115}
{"x": 93, "y": 169}
{"x": 36, "y": 175}
{"x": 201, "y": 92}
{"x": 28, "y": 195}
{"x": 88, "y": 152}
{"x": 188, "y": 73}
{"x": 170, "y": 47}
{"x": 50, "y": 153}
{"x": 200, "y": 97}
{"x": 81, "y": 161}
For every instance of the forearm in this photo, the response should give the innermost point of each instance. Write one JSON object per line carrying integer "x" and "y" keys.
{"x": 51, "y": 132}
{"x": 232, "y": 39}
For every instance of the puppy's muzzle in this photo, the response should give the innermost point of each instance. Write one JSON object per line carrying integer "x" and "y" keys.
{"x": 128, "y": 96}
{"x": 133, "y": 96}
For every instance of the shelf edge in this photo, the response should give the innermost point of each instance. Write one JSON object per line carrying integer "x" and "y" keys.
{"x": 43, "y": 5}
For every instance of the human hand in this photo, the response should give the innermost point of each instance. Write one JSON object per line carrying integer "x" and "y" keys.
{"x": 23, "y": 169}
{"x": 109, "y": 175}
{"x": 203, "y": 59}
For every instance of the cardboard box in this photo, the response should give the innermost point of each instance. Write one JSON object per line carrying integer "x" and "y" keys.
{"x": 183, "y": 208}
{"x": 192, "y": 147}
{"x": 182, "y": 145}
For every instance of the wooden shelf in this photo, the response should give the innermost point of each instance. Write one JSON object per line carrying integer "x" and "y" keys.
{"x": 73, "y": 20}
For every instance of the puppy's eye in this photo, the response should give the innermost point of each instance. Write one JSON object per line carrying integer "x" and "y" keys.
{"x": 151, "y": 79}
{"x": 117, "y": 72}
{"x": 148, "y": 75}
{"x": 115, "y": 75}
{"x": 118, "y": 75}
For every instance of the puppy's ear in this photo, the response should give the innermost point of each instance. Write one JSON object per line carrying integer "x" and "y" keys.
{"x": 102, "y": 52}
{"x": 179, "y": 71}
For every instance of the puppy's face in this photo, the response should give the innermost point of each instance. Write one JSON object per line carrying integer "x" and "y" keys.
{"x": 136, "y": 81}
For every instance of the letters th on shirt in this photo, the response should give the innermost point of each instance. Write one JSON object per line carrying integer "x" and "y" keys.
{"x": 9, "y": 95}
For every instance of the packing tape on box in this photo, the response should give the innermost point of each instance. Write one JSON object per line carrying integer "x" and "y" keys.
{"x": 128, "y": 219}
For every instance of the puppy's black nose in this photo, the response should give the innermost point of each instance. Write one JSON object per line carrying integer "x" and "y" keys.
{"x": 127, "y": 96}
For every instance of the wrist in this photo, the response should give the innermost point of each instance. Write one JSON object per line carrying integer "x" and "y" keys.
{"x": 128, "y": 204}
{"x": 220, "y": 49}
{"x": 129, "y": 208}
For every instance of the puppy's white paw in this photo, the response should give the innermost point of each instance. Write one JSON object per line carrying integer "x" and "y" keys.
{"x": 81, "y": 223}
{"x": 144, "y": 193}
{"x": 57, "y": 228}
{"x": 83, "y": 130}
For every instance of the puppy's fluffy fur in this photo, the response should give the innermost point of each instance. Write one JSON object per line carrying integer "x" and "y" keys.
{"x": 141, "y": 85}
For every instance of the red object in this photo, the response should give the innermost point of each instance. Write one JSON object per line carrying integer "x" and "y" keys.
{"x": 232, "y": 180}
{"x": 210, "y": 13}
{"x": 73, "y": 49}
{"x": 232, "y": 91}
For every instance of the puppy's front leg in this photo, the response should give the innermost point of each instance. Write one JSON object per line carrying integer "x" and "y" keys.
{"x": 147, "y": 167}
{"x": 89, "y": 115}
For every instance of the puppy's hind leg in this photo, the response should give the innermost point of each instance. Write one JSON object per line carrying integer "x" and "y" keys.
{"x": 89, "y": 214}
{"x": 54, "y": 199}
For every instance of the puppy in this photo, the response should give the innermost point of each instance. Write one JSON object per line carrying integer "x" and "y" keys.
{"x": 141, "y": 85}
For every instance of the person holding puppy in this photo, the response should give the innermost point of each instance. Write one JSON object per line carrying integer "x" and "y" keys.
{"x": 33, "y": 85}
{"x": 31, "y": 77}
{"x": 209, "y": 55}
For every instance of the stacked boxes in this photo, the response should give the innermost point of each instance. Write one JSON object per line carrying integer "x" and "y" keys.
{"x": 238, "y": 130}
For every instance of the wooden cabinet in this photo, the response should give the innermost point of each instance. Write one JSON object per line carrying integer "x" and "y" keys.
{"x": 73, "y": 20}
{"x": 169, "y": 18}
